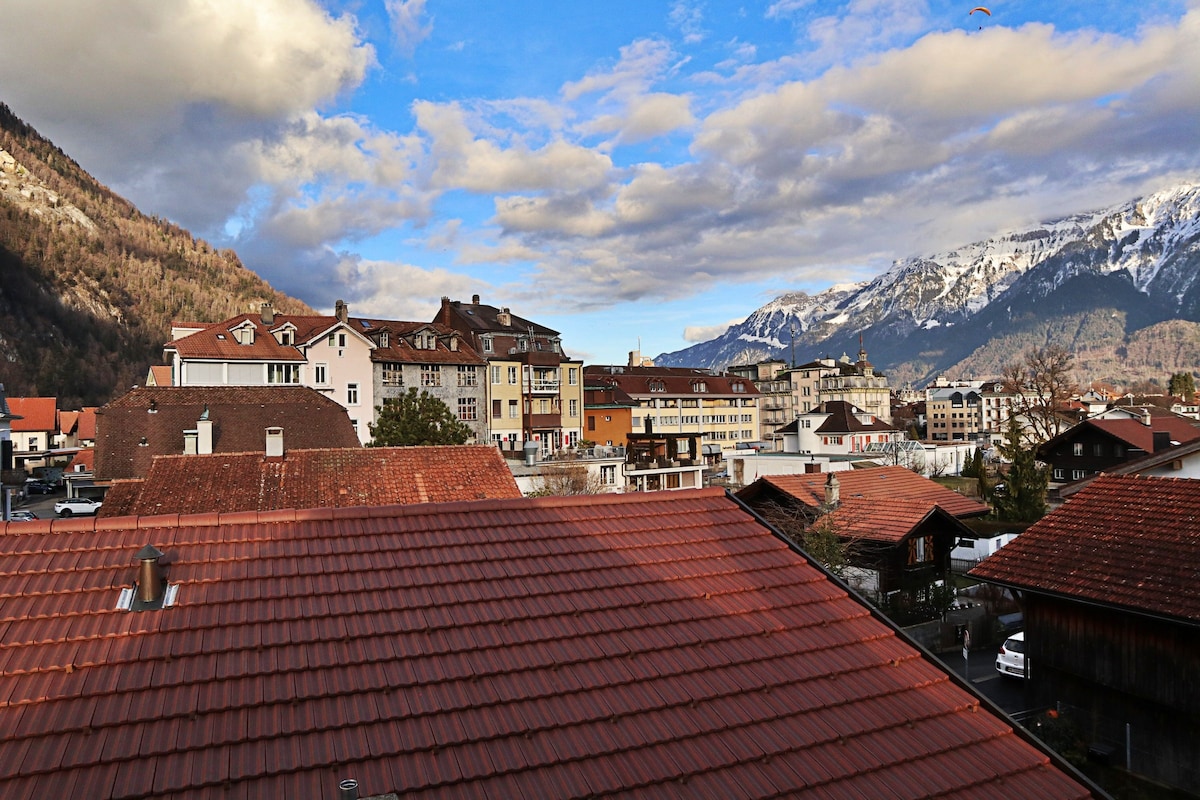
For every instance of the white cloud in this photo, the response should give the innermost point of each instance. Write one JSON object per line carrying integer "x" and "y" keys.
{"x": 409, "y": 26}
{"x": 465, "y": 161}
{"x": 705, "y": 333}
{"x": 259, "y": 58}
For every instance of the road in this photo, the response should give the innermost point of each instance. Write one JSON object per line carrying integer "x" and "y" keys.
{"x": 980, "y": 669}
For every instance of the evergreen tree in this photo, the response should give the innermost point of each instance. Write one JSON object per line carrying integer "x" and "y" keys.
{"x": 1182, "y": 385}
{"x": 1024, "y": 495}
{"x": 417, "y": 419}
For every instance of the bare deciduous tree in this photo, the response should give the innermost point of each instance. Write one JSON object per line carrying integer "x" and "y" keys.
{"x": 1041, "y": 385}
{"x": 566, "y": 478}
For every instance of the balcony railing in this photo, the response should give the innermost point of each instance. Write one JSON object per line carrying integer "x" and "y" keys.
{"x": 542, "y": 386}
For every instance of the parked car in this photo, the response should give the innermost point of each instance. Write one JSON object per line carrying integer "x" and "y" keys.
{"x": 76, "y": 505}
{"x": 39, "y": 487}
{"x": 22, "y": 516}
{"x": 1011, "y": 659}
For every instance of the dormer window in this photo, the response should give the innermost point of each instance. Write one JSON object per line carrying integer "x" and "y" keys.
{"x": 286, "y": 337}
{"x": 454, "y": 343}
{"x": 486, "y": 343}
{"x": 657, "y": 386}
{"x": 383, "y": 340}
{"x": 738, "y": 386}
{"x": 699, "y": 387}
{"x": 244, "y": 335}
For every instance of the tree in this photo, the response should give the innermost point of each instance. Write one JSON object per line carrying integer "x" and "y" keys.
{"x": 814, "y": 531}
{"x": 566, "y": 478}
{"x": 1041, "y": 385}
{"x": 1024, "y": 496}
{"x": 417, "y": 419}
{"x": 1183, "y": 386}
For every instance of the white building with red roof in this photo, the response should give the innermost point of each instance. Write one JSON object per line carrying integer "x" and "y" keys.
{"x": 357, "y": 362}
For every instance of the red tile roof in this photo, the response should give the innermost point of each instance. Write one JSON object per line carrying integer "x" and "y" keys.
{"x": 890, "y": 522}
{"x": 400, "y": 347}
{"x": 881, "y": 485}
{"x": 86, "y": 427}
{"x": 85, "y": 459}
{"x": 843, "y": 418}
{"x": 159, "y": 375}
{"x": 655, "y": 644}
{"x": 329, "y": 478}
{"x": 1138, "y": 434}
{"x": 67, "y": 422}
{"x": 240, "y": 415}
{"x": 1124, "y": 541}
{"x": 39, "y": 413}
{"x": 636, "y": 381}
{"x": 217, "y": 341}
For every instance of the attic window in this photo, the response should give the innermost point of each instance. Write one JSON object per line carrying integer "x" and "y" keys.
{"x": 221, "y": 336}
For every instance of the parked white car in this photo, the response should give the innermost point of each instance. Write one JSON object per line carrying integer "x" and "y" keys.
{"x": 1011, "y": 659}
{"x": 76, "y": 505}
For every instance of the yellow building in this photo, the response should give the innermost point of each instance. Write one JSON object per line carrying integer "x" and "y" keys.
{"x": 721, "y": 408}
{"x": 534, "y": 390}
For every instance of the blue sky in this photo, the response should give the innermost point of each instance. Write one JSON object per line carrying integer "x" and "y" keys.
{"x": 626, "y": 172}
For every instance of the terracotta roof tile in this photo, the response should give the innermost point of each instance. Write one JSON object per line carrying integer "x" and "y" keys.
{"x": 636, "y": 381}
{"x": 1125, "y": 541}
{"x": 880, "y": 486}
{"x": 38, "y": 414}
{"x": 240, "y": 416}
{"x": 843, "y": 418}
{"x": 647, "y": 643}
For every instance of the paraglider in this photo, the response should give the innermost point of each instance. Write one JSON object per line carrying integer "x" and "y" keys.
{"x": 979, "y": 8}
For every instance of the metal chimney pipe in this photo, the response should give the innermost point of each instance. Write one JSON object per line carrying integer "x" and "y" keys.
{"x": 348, "y": 789}
{"x": 149, "y": 577}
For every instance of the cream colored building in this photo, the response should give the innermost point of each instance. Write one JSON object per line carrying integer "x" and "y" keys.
{"x": 722, "y": 408}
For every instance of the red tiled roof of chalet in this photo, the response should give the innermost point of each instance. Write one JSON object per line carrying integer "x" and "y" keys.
{"x": 240, "y": 416}
{"x": 649, "y": 643}
{"x": 878, "y": 485}
{"x": 1140, "y": 435}
{"x": 328, "y": 478}
{"x": 890, "y": 521}
{"x": 1124, "y": 540}
{"x": 39, "y": 414}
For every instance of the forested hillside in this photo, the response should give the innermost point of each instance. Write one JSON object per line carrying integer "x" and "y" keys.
{"x": 89, "y": 285}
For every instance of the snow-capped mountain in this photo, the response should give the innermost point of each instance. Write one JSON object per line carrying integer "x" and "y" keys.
{"x": 1139, "y": 262}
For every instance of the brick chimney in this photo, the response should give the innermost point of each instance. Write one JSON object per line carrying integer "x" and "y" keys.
{"x": 341, "y": 311}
